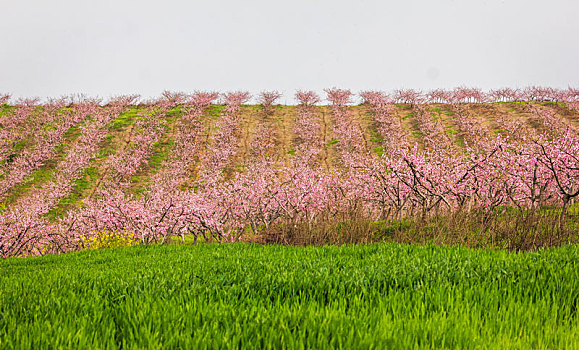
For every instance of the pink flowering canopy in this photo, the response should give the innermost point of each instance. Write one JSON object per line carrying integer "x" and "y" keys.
{"x": 220, "y": 170}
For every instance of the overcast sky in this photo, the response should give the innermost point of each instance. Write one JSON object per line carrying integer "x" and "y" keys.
{"x": 110, "y": 47}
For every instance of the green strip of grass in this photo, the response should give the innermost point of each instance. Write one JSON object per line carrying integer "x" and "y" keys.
{"x": 159, "y": 153}
{"x": 251, "y": 296}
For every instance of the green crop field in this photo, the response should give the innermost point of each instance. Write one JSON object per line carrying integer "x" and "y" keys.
{"x": 383, "y": 295}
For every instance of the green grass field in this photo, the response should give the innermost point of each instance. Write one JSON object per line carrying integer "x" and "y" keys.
{"x": 244, "y": 295}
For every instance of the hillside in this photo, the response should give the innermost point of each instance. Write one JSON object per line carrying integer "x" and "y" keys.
{"x": 122, "y": 130}
{"x": 58, "y": 160}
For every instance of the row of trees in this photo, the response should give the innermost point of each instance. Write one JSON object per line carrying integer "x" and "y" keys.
{"x": 268, "y": 98}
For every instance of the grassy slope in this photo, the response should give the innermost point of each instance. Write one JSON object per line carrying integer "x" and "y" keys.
{"x": 385, "y": 295}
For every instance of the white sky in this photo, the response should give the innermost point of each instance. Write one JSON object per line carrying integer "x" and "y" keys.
{"x": 110, "y": 47}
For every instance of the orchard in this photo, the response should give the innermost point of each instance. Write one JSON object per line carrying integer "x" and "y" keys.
{"x": 208, "y": 167}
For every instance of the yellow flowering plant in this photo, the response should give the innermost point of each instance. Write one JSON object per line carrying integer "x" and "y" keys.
{"x": 109, "y": 239}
